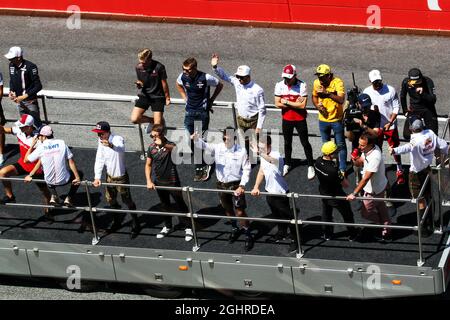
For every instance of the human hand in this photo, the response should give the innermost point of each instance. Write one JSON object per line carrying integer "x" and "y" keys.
{"x": 167, "y": 101}
{"x": 350, "y": 197}
{"x": 19, "y": 99}
{"x": 28, "y": 179}
{"x": 255, "y": 192}
{"x": 76, "y": 181}
{"x": 195, "y": 136}
{"x": 239, "y": 191}
{"x": 214, "y": 60}
{"x": 150, "y": 185}
{"x": 139, "y": 84}
{"x": 12, "y": 95}
{"x": 323, "y": 111}
{"x": 97, "y": 183}
{"x": 387, "y": 126}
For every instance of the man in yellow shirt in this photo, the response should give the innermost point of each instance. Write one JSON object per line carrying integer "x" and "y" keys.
{"x": 328, "y": 97}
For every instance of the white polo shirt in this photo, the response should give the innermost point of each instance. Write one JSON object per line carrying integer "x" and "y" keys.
{"x": 273, "y": 173}
{"x": 373, "y": 162}
{"x": 54, "y": 154}
{"x": 231, "y": 163}
{"x": 387, "y": 101}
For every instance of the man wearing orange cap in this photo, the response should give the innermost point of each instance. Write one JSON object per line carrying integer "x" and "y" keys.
{"x": 328, "y": 97}
{"x": 291, "y": 97}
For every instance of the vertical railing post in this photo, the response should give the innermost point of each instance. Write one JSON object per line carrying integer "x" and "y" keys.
{"x": 233, "y": 109}
{"x": 141, "y": 139}
{"x": 96, "y": 239}
{"x": 44, "y": 108}
{"x": 300, "y": 253}
{"x": 420, "y": 262}
{"x": 188, "y": 191}
{"x": 441, "y": 218}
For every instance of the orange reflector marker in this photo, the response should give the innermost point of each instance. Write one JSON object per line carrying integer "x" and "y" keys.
{"x": 183, "y": 268}
{"x": 396, "y": 282}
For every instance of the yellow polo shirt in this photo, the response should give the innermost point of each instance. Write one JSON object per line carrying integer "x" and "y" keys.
{"x": 335, "y": 110}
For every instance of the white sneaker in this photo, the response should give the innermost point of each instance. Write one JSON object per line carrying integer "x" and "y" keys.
{"x": 189, "y": 235}
{"x": 286, "y": 169}
{"x": 311, "y": 172}
{"x": 164, "y": 232}
{"x": 2, "y": 160}
{"x": 148, "y": 128}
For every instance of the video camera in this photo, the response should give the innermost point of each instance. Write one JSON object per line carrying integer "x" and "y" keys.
{"x": 353, "y": 111}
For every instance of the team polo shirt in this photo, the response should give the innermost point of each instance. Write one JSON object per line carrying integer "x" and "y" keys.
{"x": 373, "y": 162}
{"x": 25, "y": 143}
{"x": 387, "y": 101}
{"x": 151, "y": 76}
{"x": 197, "y": 89}
{"x": 273, "y": 174}
{"x": 53, "y": 154}
{"x": 335, "y": 110}
{"x": 291, "y": 93}
{"x": 163, "y": 167}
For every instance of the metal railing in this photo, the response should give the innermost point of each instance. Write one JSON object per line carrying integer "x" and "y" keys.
{"x": 188, "y": 191}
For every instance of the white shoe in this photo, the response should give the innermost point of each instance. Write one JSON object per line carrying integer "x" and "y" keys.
{"x": 164, "y": 232}
{"x": 286, "y": 169}
{"x": 311, "y": 172}
{"x": 2, "y": 160}
{"x": 189, "y": 235}
{"x": 148, "y": 128}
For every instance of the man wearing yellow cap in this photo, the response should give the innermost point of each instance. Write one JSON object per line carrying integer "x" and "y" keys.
{"x": 331, "y": 182}
{"x": 328, "y": 97}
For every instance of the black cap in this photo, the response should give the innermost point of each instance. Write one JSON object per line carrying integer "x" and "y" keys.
{"x": 364, "y": 100}
{"x": 101, "y": 127}
{"x": 414, "y": 74}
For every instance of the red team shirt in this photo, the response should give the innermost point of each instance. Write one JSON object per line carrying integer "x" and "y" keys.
{"x": 292, "y": 94}
{"x": 24, "y": 144}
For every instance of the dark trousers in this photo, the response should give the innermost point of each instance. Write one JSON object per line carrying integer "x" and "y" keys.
{"x": 281, "y": 209}
{"x": 288, "y": 132}
{"x": 180, "y": 206}
{"x": 344, "y": 209}
{"x": 192, "y": 119}
{"x": 73, "y": 188}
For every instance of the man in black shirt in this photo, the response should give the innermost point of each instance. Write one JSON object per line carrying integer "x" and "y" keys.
{"x": 24, "y": 84}
{"x": 331, "y": 182}
{"x": 422, "y": 100}
{"x": 159, "y": 162}
{"x": 153, "y": 89}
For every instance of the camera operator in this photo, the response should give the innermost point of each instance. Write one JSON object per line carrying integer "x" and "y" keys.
{"x": 422, "y": 100}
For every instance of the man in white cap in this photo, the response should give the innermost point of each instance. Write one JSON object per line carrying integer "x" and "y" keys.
{"x": 421, "y": 148}
{"x": 24, "y": 84}
{"x": 385, "y": 97}
{"x": 291, "y": 97}
{"x": 250, "y": 103}
{"x": 53, "y": 154}
{"x": 24, "y": 131}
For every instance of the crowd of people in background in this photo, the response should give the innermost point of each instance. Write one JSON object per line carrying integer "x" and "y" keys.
{"x": 45, "y": 157}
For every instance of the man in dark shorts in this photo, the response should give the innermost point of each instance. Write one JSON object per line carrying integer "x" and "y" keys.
{"x": 421, "y": 148}
{"x": 160, "y": 165}
{"x": 153, "y": 90}
{"x": 24, "y": 131}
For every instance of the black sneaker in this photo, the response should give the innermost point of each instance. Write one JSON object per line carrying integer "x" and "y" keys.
{"x": 206, "y": 170}
{"x": 7, "y": 199}
{"x": 280, "y": 236}
{"x": 249, "y": 242}
{"x": 234, "y": 235}
{"x": 354, "y": 235}
{"x": 198, "y": 174}
{"x": 326, "y": 236}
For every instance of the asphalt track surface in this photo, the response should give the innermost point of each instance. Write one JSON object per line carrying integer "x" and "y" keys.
{"x": 100, "y": 58}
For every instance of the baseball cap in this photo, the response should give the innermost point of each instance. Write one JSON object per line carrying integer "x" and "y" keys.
{"x": 323, "y": 69}
{"x": 289, "y": 71}
{"x": 101, "y": 127}
{"x": 329, "y": 148}
{"x": 416, "y": 125}
{"x": 25, "y": 121}
{"x": 364, "y": 100}
{"x": 14, "y": 52}
{"x": 414, "y": 74}
{"x": 243, "y": 71}
{"x": 46, "y": 131}
{"x": 375, "y": 75}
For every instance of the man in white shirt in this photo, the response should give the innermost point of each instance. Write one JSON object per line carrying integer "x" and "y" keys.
{"x": 53, "y": 155}
{"x": 373, "y": 182}
{"x": 233, "y": 173}
{"x": 250, "y": 103}
{"x": 421, "y": 148}
{"x": 271, "y": 170}
{"x": 385, "y": 97}
{"x": 111, "y": 154}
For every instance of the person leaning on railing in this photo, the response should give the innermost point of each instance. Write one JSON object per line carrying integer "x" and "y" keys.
{"x": 160, "y": 165}
{"x": 232, "y": 172}
{"x": 328, "y": 96}
{"x": 111, "y": 154}
{"x": 421, "y": 149}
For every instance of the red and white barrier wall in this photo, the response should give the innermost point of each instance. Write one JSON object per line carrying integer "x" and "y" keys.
{"x": 428, "y": 15}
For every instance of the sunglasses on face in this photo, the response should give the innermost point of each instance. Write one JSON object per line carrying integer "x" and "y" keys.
{"x": 241, "y": 77}
{"x": 187, "y": 70}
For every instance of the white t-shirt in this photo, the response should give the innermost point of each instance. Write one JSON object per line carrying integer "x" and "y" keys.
{"x": 275, "y": 182}
{"x": 53, "y": 154}
{"x": 387, "y": 101}
{"x": 373, "y": 162}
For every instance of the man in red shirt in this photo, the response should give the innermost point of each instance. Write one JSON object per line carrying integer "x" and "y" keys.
{"x": 24, "y": 131}
{"x": 291, "y": 97}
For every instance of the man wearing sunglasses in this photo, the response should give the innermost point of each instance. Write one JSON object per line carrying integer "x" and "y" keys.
{"x": 328, "y": 97}
{"x": 194, "y": 87}
{"x": 385, "y": 97}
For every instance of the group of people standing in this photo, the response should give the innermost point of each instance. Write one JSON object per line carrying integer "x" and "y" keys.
{"x": 379, "y": 104}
